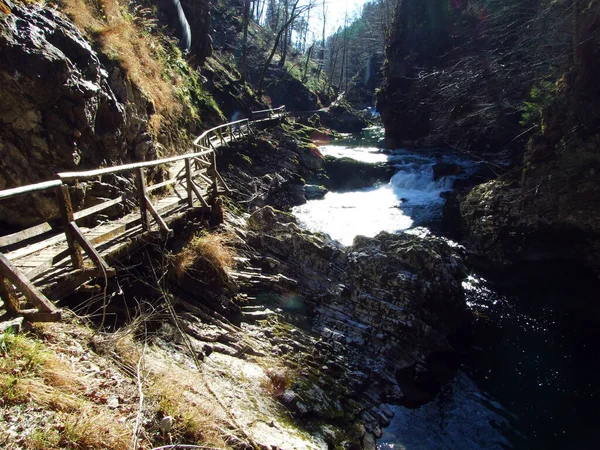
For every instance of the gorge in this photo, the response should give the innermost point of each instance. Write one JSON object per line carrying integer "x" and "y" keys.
{"x": 424, "y": 277}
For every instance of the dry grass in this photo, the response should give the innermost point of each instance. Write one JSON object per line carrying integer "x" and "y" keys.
{"x": 194, "y": 417}
{"x": 61, "y": 405}
{"x": 34, "y": 378}
{"x": 207, "y": 247}
{"x": 125, "y": 38}
{"x": 279, "y": 379}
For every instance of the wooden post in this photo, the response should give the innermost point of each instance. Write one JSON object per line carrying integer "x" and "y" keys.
{"x": 66, "y": 213}
{"x": 142, "y": 194}
{"x": 7, "y": 293}
{"x": 188, "y": 182}
{"x": 88, "y": 247}
{"x": 214, "y": 174}
{"x": 35, "y": 297}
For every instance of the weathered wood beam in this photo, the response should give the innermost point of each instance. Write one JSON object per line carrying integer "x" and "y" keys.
{"x": 28, "y": 189}
{"x": 33, "y": 315}
{"x": 159, "y": 220}
{"x": 199, "y": 195}
{"x": 84, "y": 175}
{"x": 140, "y": 180}
{"x": 23, "y": 235}
{"x": 97, "y": 208}
{"x": 188, "y": 182}
{"x": 160, "y": 185}
{"x": 88, "y": 247}
{"x": 35, "y": 297}
{"x": 66, "y": 214}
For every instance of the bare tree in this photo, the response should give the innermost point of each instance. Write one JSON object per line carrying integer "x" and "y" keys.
{"x": 294, "y": 13}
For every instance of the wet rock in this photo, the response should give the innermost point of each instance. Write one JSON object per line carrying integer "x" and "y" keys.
{"x": 312, "y": 191}
{"x": 288, "y": 396}
{"x": 348, "y": 173}
{"x": 446, "y": 169}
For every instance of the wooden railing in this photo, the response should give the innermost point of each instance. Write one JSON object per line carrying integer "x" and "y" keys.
{"x": 266, "y": 114}
{"x": 222, "y": 133}
{"x": 199, "y": 165}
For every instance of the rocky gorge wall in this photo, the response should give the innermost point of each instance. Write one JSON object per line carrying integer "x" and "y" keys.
{"x": 548, "y": 207}
{"x": 68, "y": 106}
{"x": 446, "y": 84}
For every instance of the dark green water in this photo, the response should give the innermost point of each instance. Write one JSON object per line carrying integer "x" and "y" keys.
{"x": 530, "y": 379}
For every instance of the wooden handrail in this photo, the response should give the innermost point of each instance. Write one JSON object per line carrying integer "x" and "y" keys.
{"x": 28, "y": 189}
{"x": 225, "y": 125}
{"x": 269, "y": 110}
{"x": 78, "y": 242}
{"x": 84, "y": 175}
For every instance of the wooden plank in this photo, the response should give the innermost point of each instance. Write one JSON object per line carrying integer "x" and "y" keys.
{"x": 35, "y": 247}
{"x": 105, "y": 235}
{"x": 188, "y": 182}
{"x": 88, "y": 247}
{"x": 28, "y": 189}
{"x": 97, "y": 208}
{"x": 205, "y": 178}
{"x": 39, "y": 269}
{"x": 33, "y": 315}
{"x": 202, "y": 162}
{"x": 87, "y": 174}
{"x": 66, "y": 213}
{"x": 199, "y": 171}
{"x": 199, "y": 195}
{"x": 35, "y": 297}
{"x": 23, "y": 235}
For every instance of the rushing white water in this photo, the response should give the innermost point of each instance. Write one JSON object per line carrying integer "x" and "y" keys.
{"x": 364, "y": 154}
{"x": 410, "y": 197}
{"x": 531, "y": 380}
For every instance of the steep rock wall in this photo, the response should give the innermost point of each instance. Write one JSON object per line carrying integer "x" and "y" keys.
{"x": 549, "y": 208}
{"x": 61, "y": 109}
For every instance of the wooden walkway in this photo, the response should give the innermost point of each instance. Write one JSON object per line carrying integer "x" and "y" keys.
{"x": 48, "y": 261}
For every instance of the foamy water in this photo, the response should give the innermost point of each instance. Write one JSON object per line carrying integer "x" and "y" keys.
{"x": 410, "y": 197}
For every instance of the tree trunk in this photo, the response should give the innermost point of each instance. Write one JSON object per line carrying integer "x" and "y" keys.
{"x": 265, "y": 67}
{"x": 306, "y": 63}
{"x": 244, "y": 59}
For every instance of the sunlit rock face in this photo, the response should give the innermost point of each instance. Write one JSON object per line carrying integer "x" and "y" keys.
{"x": 387, "y": 303}
{"x": 61, "y": 108}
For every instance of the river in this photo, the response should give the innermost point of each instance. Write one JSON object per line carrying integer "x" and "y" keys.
{"x": 530, "y": 377}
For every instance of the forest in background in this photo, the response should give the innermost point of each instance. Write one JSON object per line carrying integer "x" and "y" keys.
{"x": 479, "y": 74}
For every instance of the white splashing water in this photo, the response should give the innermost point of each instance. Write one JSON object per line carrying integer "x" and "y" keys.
{"x": 363, "y": 154}
{"x": 410, "y": 194}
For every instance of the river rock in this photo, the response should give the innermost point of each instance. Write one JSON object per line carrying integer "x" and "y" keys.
{"x": 442, "y": 169}
{"x": 312, "y": 191}
{"x": 348, "y": 173}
